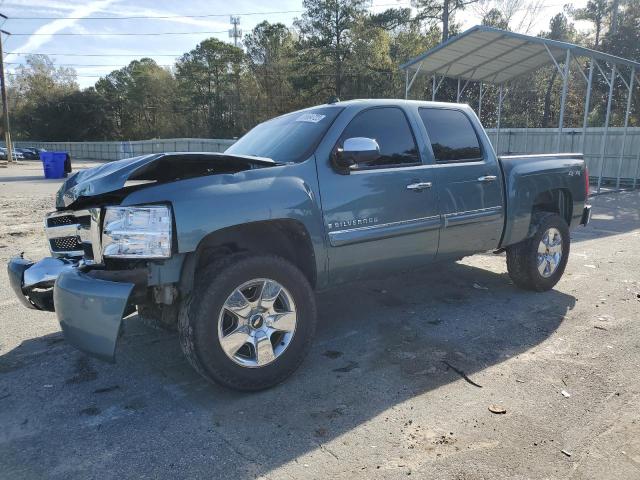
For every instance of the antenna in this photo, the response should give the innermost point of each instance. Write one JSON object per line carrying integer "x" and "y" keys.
{"x": 235, "y": 32}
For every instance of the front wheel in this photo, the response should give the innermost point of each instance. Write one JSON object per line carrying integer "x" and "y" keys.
{"x": 538, "y": 262}
{"x": 249, "y": 322}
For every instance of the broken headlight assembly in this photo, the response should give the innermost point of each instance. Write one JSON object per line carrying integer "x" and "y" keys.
{"x": 137, "y": 232}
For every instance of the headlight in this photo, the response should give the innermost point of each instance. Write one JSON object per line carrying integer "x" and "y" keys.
{"x": 137, "y": 232}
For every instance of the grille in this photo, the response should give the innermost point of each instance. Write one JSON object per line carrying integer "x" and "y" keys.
{"x": 61, "y": 220}
{"x": 66, "y": 244}
{"x": 74, "y": 234}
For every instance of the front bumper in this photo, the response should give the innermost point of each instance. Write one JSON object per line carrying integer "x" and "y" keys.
{"x": 89, "y": 306}
{"x": 90, "y": 311}
{"x": 33, "y": 282}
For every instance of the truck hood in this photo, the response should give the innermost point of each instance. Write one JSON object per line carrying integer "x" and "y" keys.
{"x": 115, "y": 179}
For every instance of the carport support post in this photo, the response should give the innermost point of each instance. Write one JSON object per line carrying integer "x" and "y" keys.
{"x": 500, "y": 96}
{"x": 587, "y": 104}
{"x": 433, "y": 88}
{"x": 565, "y": 84}
{"x": 410, "y": 83}
{"x": 406, "y": 84}
{"x": 606, "y": 126}
{"x": 458, "y": 94}
{"x": 626, "y": 124}
{"x": 480, "y": 103}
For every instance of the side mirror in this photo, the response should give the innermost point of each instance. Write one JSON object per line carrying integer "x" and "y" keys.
{"x": 355, "y": 151}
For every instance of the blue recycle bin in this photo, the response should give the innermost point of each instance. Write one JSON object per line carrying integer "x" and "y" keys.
{"x": 53, "y": 164}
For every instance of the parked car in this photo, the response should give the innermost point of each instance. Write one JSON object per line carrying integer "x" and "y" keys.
{"x": 16, "y": 154}
{"x": 229, "y": 247}
{"x": 30, "y": 153}
{"x": 25, "y": 154}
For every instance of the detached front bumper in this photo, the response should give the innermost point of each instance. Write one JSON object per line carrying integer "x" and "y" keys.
{"x": 90, "y": 309}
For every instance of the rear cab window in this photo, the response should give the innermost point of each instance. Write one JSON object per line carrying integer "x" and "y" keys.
{"x": 452, "y": 136}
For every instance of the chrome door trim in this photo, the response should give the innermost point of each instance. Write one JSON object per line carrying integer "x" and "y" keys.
{"x": 418, "y": 187}
{"x": 470, "y": 216}
{"x": 369, "y": 233}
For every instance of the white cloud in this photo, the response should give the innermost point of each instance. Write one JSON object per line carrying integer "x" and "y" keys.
{"x": 46, "y": 32}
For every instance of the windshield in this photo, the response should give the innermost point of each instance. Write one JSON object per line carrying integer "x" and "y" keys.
{"x": 289, "y": 138}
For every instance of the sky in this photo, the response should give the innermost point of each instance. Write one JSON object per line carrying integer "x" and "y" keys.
{"x": 97, "y": 46}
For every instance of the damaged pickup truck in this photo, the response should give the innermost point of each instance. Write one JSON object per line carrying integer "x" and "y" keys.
{"x": 228, "y": 248}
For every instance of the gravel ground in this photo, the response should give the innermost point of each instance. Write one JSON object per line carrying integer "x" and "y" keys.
{"x": 398, "y": 382}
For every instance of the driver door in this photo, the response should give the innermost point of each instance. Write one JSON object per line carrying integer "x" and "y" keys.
{"x": 383, "y": 215}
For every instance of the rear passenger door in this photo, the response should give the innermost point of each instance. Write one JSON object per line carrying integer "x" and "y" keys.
{"x": 469, "y": 183}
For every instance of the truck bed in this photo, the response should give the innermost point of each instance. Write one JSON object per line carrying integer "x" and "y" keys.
{"x": 528, "y": 179}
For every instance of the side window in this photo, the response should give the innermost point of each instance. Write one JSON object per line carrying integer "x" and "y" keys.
{"x": 452, "y": 136}
{"x": 390, "y": 128}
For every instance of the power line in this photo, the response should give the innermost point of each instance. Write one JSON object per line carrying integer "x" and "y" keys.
{"x": 88, "y": 64}
{"x": 98, "y": 54}
{"x": 218, "y": 58}
{"x": 164, "y": 17}
{"x": 232, "y": 59}
{"x": 146, "y": 54}
{"x": 272, "y": 74}
{"x": 110, "y": 34}
{"x": 160, "y": 17}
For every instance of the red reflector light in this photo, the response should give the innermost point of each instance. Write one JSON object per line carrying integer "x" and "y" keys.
{"x": 586, "y": 181}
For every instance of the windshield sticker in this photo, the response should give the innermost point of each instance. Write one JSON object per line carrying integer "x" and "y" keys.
{"x": 310, "y": 117}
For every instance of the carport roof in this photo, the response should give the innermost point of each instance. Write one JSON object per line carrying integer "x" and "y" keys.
{"x": 492, "y": 55}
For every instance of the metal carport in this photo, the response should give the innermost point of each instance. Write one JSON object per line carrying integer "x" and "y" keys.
{"x": 489, "y": 55}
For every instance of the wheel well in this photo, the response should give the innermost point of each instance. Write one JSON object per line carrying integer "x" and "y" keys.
{"x": 286, "y": 238}
{"x": 556, "y": 201}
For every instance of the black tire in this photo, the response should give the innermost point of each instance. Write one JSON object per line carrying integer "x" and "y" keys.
{"x": 164, "y": 317}
{"x": 522, "y": 258}
{"x": 198, "y": 321}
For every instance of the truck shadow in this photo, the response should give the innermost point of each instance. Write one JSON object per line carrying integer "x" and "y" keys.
{"x": 379, "y": 343}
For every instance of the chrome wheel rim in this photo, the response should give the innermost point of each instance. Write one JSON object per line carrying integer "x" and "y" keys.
{"x": 257, "y": 322}
{"x": 549, "y": 252}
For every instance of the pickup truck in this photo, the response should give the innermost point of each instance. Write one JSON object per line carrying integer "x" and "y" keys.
{"x": 228, "y": 248}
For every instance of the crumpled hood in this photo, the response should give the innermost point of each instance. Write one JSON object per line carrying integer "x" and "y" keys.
{"x": 151, "y": 169}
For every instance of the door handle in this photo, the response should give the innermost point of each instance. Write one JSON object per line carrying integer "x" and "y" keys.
{"x": 417, "y": 187}
{"x": 487, "y": 178}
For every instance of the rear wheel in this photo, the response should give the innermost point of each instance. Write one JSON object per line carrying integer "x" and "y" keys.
{"x": 249, "y": 322}
{"x": 539, "y": 262}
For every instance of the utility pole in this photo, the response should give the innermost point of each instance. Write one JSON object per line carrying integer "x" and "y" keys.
{"x": 235, "y": 32}
{"x": 5, "y": 104}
